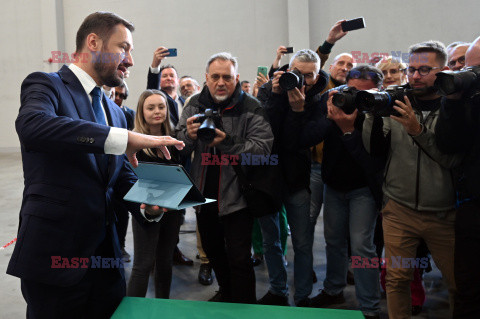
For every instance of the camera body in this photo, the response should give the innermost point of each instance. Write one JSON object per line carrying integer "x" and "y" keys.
{"x": 450, "y": 82}
{"x": 346, "y": 99}
{"x": 209, "y": 121}
{"x": 291, "y": 80}
{"x": 370, "y": 101}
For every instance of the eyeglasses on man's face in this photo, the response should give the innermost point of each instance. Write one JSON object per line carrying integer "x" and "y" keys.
{"x": 423, "y": 70}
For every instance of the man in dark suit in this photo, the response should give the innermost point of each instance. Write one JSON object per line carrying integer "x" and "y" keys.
{"x": 73, "y": 139}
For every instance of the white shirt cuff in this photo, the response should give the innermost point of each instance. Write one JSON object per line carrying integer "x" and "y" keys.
{"x": 116, "y": 142}
{"x": 142, "y": 211}
{"x": 155, "y": 70}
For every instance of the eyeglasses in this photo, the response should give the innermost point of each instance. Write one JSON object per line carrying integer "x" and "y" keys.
{"x": 122, "y": 96}
{"x": 423, "y": 70}
{"x": 460, "y": 60}
{"x": 226, "y": 78}
{"x": 362, "y": 75}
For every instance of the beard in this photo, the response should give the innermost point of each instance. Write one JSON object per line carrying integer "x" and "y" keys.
{"x": 107, "y": 71}
{"x": 428, "y": 90}
{"x": 220, "y": 98}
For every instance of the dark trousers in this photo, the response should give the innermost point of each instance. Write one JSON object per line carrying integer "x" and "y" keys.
{"x": 97, "y": 295}
{"x": 122, "y": 221}
{"x": 467, "y": 260}
{"x": 227, "y": 241}
{"x": 153, "y": 247}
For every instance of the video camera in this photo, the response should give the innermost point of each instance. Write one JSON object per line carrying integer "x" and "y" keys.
{"x": 370, "y": 101}
{"x": 450, "y": 82}
{"x": 209, "y": 120}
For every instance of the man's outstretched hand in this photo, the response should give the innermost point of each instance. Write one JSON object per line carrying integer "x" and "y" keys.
{"x": 137, "y": 142}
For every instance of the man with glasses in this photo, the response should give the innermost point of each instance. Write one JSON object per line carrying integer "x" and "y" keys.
{"x": 456, "y": 55}
{"x": 225, "y": 225}
{"x": 352, "y": 194}
{"x": 418, "y": 181}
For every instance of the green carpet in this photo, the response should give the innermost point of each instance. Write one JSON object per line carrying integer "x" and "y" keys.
{"x": 146, "y": 308}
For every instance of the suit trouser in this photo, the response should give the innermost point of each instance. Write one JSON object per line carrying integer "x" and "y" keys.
{"x": 467, "y": 260}
{"x": 227, "y": 240}
{"x": 97, "y": 295}
{"x": 403, "y": 228}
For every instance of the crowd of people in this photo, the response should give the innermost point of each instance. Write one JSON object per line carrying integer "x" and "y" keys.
{"x": 395, "y": 188}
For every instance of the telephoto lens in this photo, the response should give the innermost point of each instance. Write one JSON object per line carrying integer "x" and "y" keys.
{"x": 450, "y": 82}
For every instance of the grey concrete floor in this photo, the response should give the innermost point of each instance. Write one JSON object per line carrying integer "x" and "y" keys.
{"x": 185, "y": 285}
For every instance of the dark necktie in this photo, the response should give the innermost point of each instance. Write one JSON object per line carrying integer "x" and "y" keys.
{"x": 97, "y": 106}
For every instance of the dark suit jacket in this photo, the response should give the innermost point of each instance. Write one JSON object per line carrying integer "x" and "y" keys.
{"x": 153, "y": 83}
{"x": 129, "y": 116}
{"x": 67, "y": 201}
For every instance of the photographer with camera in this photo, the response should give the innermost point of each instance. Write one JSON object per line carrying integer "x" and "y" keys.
{"x": 352, "y": 194}
{"x": 297, "y": 88}
{"x": 239, "y": 127}
{"x": 458, "y": 132}
{"x": 418, "y": 182}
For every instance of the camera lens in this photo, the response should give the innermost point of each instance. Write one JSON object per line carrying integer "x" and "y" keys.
{"x": 288, "y": 81}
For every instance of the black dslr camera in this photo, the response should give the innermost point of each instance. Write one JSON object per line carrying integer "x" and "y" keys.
{"x": 450, "y": 82}
{"x": 209, "y": 121}
{"x": 370, "y": 101}
{"x": 381, "y": 103}
{"x": 290, "y": 80}
{"x": 346, "y": 99}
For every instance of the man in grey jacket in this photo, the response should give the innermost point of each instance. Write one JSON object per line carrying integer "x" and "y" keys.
{"x": 418, "y": 182}
{"x": 241, "y": 133}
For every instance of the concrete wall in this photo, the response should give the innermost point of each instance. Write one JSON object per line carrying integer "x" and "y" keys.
{"x": 249, "y": 29}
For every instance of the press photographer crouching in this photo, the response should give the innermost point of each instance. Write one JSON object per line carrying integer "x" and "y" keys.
{"x": 458, "y": 131}
{"x": 223, "y": 121}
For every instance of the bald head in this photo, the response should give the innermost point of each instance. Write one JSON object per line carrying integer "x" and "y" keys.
{"x": 456, "y": 57}
{"x": 472, "y": 57}
{"x": 340, "y": 66}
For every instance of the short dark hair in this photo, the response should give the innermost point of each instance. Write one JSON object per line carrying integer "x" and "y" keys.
{"x": 364, "y": 70}
{"x": 243, "y": 82}
{"x": 168, "y": 66}
{"x": 102, "y": 24}
{"x": 124, "y": 85}
{"x": 434, "y": 46}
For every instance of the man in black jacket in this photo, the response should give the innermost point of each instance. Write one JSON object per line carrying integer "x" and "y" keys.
{"x": 295, "y": 168}
{"x": 352, "y": 194}
{"x": 458, "y": 131}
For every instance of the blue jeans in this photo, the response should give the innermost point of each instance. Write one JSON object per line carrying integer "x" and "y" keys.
{"x": 316, "y": 186}
{"x": 272, "y": 250}
{"x": 298, "y": 216}
{"x": 353, "y": 212}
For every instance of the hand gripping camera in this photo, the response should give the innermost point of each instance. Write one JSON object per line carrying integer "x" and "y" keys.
{"x": 209, "y": 121}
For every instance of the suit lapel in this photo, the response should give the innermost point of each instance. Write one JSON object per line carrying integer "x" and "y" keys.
{"x": 82, "y": 104}
{"x": 79, "y": 96}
